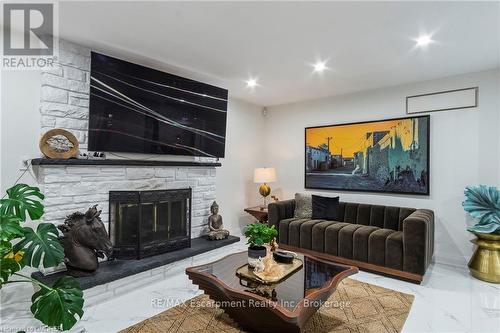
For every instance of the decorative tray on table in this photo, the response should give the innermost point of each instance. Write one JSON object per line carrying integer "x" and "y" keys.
{"x": 280, "y": 272}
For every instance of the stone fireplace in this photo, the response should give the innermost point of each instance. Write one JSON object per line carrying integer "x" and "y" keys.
{"x": 148, "y": 224}
{"x": 75, "y": 185}
{"x": 145, "y": 223}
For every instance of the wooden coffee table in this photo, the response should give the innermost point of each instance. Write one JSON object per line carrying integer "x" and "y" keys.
{"x": 283, "y": 307}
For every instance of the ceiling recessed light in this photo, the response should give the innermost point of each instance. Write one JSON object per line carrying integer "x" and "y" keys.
{"x": 251, "y": 83}
{"x": 423, "y": 40}
{"x": 319, "y": 66}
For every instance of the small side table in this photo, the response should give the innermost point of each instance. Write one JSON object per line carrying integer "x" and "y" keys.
{"x": 260, "y": 213}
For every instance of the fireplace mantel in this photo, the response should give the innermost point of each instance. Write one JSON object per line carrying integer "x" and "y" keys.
{"x": 122, "y": 162}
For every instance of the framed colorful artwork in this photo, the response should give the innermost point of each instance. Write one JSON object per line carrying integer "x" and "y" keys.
{"x": 389, "y": 155}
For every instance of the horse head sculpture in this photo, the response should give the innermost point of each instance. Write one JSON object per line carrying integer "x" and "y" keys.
{"x": 85, "y": 238}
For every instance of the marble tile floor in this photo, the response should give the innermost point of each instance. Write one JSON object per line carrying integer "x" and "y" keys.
{"x": 448, "y": 300}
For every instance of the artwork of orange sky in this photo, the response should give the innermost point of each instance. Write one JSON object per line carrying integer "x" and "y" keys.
{"x": 347, "y": 139}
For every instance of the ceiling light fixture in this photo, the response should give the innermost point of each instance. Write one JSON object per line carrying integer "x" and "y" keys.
{"x": 424, "y": 40}
{"x": 319, "y": 66}
{"x": 252, "y": 83}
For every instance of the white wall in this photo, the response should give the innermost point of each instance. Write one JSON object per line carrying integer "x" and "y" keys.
{"x": 245, "y": 139}
{"x": 464, "y": 149}
{"x": 19, "y": 125}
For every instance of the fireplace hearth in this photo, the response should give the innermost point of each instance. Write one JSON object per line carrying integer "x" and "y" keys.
{"x": 146, "y": 223}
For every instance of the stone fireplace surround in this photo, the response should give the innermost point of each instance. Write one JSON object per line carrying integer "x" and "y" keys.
{"x": 70, "y": 188}
{"x": 75, "y": 185}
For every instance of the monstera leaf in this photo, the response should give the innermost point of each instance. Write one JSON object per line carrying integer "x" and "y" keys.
{"x": 42, "y": 244}
{"x": 10, "y": 228}
{"x": 22, "y": 198}
{"x": 5, "y": 248}
{"x": 60, "y": 305}
{"x": 8, "y": 267}
{"x": 483, "y": 203}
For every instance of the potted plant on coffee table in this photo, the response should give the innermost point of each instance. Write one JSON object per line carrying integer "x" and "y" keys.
{"x": 258, "y": 234}
{"x": 483, "y": 203}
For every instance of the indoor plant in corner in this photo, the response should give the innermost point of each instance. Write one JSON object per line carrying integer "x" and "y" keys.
{"x": 59, "y": 306}
{"x": 483, "y": 203}
{"x": 257, "y": 235}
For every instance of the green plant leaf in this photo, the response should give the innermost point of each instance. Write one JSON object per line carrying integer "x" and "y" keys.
{"x": 42, "y": 244}
{"x": 5, "y": 248}
{"x": 8, "y": 267}
{"x": 22, "y": 198}
{"x": 259, "y": 234}
{"x": 60, "y": 305}
{"x": 10, "y": 228}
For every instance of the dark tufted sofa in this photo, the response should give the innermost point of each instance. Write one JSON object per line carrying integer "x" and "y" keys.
{"x": 390, "y": 240}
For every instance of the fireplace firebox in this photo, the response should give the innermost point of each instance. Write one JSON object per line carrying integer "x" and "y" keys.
{"x": 145, "y": 223}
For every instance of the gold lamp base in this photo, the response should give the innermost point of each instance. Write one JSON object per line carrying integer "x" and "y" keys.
{"x": 264, "y": 190}
{"x": 485, "y": 262}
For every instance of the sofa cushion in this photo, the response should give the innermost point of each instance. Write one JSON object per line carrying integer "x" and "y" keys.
{"x": 391, "y": 218}
{"x": 360, "y": 242}
{"x": 318, "y": 235}
{"x": 351, "y": 212}
{"x": 346, "y": 240}
{"x": 377, "y": 216}
{"x": 341, "y": 211}
{"x": 303, "y": 206}
{"x": 394, "y": 250}
{"x": 326, "y": 208}
{"x": 283, "y": 230}
{"x": 294, "y": 231}
{"x": 363, "y": 214}
{"x": 376, "y": 246}
{"x": 332, "y": 237}
{"x": 306, "y": 233}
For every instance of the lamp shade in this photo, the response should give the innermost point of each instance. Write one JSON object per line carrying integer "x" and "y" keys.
{"x": 264, "y": 175}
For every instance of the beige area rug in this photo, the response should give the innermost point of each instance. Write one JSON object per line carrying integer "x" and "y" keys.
{"x": 365, "y": 308}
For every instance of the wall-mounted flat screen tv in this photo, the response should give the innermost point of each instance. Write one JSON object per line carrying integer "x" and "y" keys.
{"x": 142, "y": 110}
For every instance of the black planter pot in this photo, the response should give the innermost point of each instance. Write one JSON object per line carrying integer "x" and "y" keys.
{"x": 254, "y": 252}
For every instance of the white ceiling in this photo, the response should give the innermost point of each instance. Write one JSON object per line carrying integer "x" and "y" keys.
{"x": 367, "y": 44}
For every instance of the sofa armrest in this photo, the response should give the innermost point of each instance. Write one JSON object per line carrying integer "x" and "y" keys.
{"x": 280, "y": 210}
{"x": 418, "y": 241}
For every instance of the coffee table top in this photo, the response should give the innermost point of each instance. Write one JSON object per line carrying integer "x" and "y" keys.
{"x": 314, "y": 277}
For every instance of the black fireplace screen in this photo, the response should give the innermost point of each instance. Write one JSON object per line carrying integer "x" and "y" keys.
{"x": 145, "y": 223}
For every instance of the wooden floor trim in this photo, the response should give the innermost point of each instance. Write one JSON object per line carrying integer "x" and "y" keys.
{"x": 412, "y": 277}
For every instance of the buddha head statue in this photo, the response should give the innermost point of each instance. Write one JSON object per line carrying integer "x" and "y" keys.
{"x": 214, "y": 209}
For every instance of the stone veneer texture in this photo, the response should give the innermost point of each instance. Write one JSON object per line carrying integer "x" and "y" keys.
{"x": 70, "y": 188}
{"x": 65, "y": 92}
{"x": 65, "y": 104}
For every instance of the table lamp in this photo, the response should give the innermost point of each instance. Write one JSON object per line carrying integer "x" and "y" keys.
{"x": 264, "y": 176}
